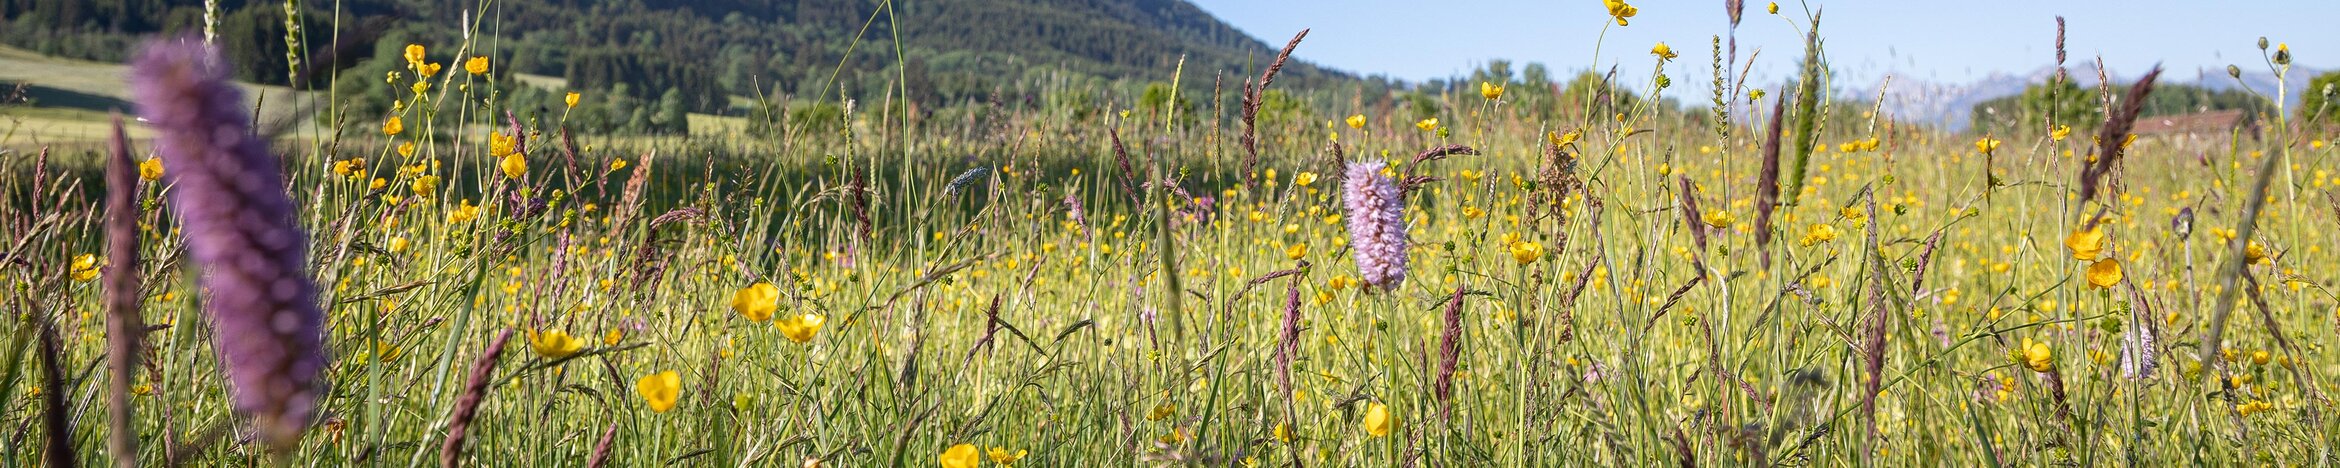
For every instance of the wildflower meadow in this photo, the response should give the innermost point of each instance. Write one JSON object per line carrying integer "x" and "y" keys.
{"x": 1229, "y": 270}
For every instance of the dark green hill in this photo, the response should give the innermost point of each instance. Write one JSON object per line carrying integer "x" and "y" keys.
{"x": 704, "y": 49}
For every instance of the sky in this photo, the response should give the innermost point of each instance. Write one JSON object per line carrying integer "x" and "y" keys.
{"x": 1933, "y": 41}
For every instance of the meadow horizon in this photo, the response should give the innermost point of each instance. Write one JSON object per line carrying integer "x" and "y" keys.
{"x": 451, "y": 261}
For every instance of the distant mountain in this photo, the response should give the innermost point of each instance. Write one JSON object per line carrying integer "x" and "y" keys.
{"x": 1950, "y": 105}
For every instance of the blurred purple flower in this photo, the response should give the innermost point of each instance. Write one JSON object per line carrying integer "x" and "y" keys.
{"x": 1377, "y": 224}
{"x": 229, "y": 195}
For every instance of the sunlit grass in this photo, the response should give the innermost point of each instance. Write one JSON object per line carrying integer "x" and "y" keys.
{"x": 728, "y": 312}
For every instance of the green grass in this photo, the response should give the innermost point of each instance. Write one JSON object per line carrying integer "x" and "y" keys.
{"x": 1672, "y": 347}
{"x": 72, "y": 99}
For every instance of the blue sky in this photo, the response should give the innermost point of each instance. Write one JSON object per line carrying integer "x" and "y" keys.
{"x": 1935, "y": 41}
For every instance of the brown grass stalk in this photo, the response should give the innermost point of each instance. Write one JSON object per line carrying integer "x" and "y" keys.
{"x": 1690, "y": 218}
{"x": 483, "y": 373}
{"x": 2112, "y": 139}
{"x": 1449, "y": 351}
{"x": 1767, "y": 182}
{"x": 1121, "y": 161}
{"x": 1411, "y": 182}
{"x": 1253, "y": 97}
{"x": 124, "y": 327}
{"x": 1873, "y": 351}
{"x": 57, "y": 425}
{"x": 601, "y": 449}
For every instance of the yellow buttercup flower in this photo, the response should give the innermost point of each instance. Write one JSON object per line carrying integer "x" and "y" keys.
{"x": 2037, "y": 356}
{"x": 1819, "y": 233}
{"x": 1563, "y": 139}
{"x": 757, "y": 301}
{"x": 1719, "y": 218}
{"x": 660, "y": 390}
{"x": 427, "y": 69}
{"x": 611, "y": 338}
{"x": 85, "y": 268}
{"x": 478, "y": 65}
{"x": 1427, "y": 124}
{"x": 463, "y": 213}
{"x": 500, "y": 145}
{"x": 2086, "y": 245}
{"x": 1619, "y": 10}
{"x": 800, "y": 327}
{"x": 571, "y": 99}
{"x": 1773, "y": 8}
{"x": 425, "y": 185}
{"x": 1357, "y": 121}
{"x": 398, "y": 244}
{"x": 1526, "y": 252}
{"x": 2104, "y": 273}
{"x": 1296, "y": 251}
{"x": 1490, "y": 91}
{"x": 414, "y": 55}
{"x": 1304, "y": 179}
{"x": 1986, "y": 145}
{"x": 151, "y": 169}
{"x": 555, "y": 344}
{"x": 615, "y": 164}
{"x": 962, "y": 456}
{"x": 2060, "y": 132}
{"x": 1003, "y": 457}
{"x": 394, "y": 126}
{"x": 1663, "y": 52}
{"x": 514, "y": 165}
{"x": 1378, "y": 421}
{"x": 406, "y": 149}
{"x": 2255, "y": 253}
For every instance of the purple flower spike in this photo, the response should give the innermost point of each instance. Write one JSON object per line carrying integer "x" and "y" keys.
{"x": 1377, "y": 224}
{"x": 229, "y": 195}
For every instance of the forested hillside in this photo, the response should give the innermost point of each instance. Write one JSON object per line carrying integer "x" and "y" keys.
{"x": 700, "y": 51}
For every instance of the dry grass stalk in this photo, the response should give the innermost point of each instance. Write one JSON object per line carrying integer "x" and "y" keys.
{"x": 56, "y": 418}
{"x": 1121, "y": 161}
{"x": 1767, "y": 182}
{"x": 124, "y": 327}
{"x": 601, "y": 449}
{"x": 483, "y": 373}
{"x": 1873, "y": 350}
{"x": 2112, "y": 140}
{"x": 1253, "y": 97}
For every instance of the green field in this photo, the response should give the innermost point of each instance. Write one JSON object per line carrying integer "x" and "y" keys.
{"x": 1589, "y": 279}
